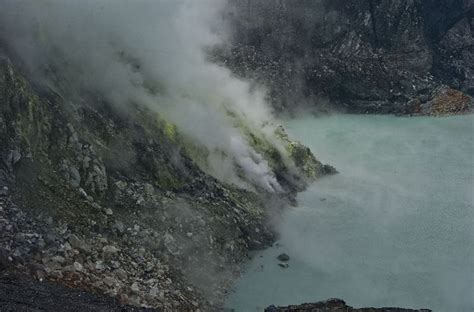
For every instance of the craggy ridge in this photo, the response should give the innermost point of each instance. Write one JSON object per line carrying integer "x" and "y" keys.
{"x": 112, "y": 202}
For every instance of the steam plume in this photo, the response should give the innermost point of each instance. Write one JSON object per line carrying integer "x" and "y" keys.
{"x": 149, "y": 53}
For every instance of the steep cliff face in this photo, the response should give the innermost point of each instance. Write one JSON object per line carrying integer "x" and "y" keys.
{"x": 113, "y": 201}
{"x": 364, "y": 56}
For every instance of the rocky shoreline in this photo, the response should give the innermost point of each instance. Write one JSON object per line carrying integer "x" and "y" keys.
{"x": 335, "y": 305}
{"x": 116, "y": 204}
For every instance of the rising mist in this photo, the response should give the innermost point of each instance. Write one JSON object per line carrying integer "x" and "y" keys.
{"x": 150, "y": 53}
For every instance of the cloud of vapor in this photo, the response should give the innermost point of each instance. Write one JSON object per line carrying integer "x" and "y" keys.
{"x": 150, "y": 53}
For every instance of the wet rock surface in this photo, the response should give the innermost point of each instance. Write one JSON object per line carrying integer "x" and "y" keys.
{"x": 357, "y": 56}
{"x": 334, "y": 305}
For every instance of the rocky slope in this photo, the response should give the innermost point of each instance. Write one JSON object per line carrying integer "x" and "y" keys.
{"x": 23, "y": 294}
{"x": 334, "y": 305}
{"x": 402, "y": 57}
{"x": 113, "y": 202}
{"x": 118, "y": 202}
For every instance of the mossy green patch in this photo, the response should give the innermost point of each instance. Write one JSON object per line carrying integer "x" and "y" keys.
{"x": 170, "y": 130}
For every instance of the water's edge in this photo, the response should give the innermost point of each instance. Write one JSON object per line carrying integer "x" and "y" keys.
{"x": 393, "y": 228}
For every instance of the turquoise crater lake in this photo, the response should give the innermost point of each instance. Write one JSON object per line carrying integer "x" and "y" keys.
{"x": 394, "y": 228}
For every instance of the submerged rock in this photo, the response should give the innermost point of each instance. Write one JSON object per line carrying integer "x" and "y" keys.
{"x": 283, "y": 257}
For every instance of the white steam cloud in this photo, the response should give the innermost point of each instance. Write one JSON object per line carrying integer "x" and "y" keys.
{"x": 149, "y": 53}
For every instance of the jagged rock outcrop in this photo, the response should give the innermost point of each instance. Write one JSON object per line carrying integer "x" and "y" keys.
{"x": 361, "y": 56}
{"x": 113, "y": 202}
{"x": 110, "y": 203}
{"x": 335, "y": 305}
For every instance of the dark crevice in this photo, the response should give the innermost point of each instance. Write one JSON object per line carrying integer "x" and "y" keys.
{"x": 374, "y": 25}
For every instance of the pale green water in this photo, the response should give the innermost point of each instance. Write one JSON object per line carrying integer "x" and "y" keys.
{"x": 394, "y": 228}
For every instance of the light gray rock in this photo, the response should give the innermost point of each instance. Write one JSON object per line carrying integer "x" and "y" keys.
{"x": 78, "y": 244}
{"x": 74, "y": 177}
{"x": 78, "y": 266}
{"x": 121, "y": 274}
{"x": 110, "y": 250}
{"x": 99, "y": 266}
{"x": 58, "y": 259}
{"x": 135, "y": 288}
{"x": 110, "y": 281}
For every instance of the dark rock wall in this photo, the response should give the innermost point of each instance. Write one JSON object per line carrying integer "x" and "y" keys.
{"x": 363, "y": 56}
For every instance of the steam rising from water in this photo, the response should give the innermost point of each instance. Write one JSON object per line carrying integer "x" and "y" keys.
{"x": 393, "y": 228}
{"x": 149, "y": 53}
